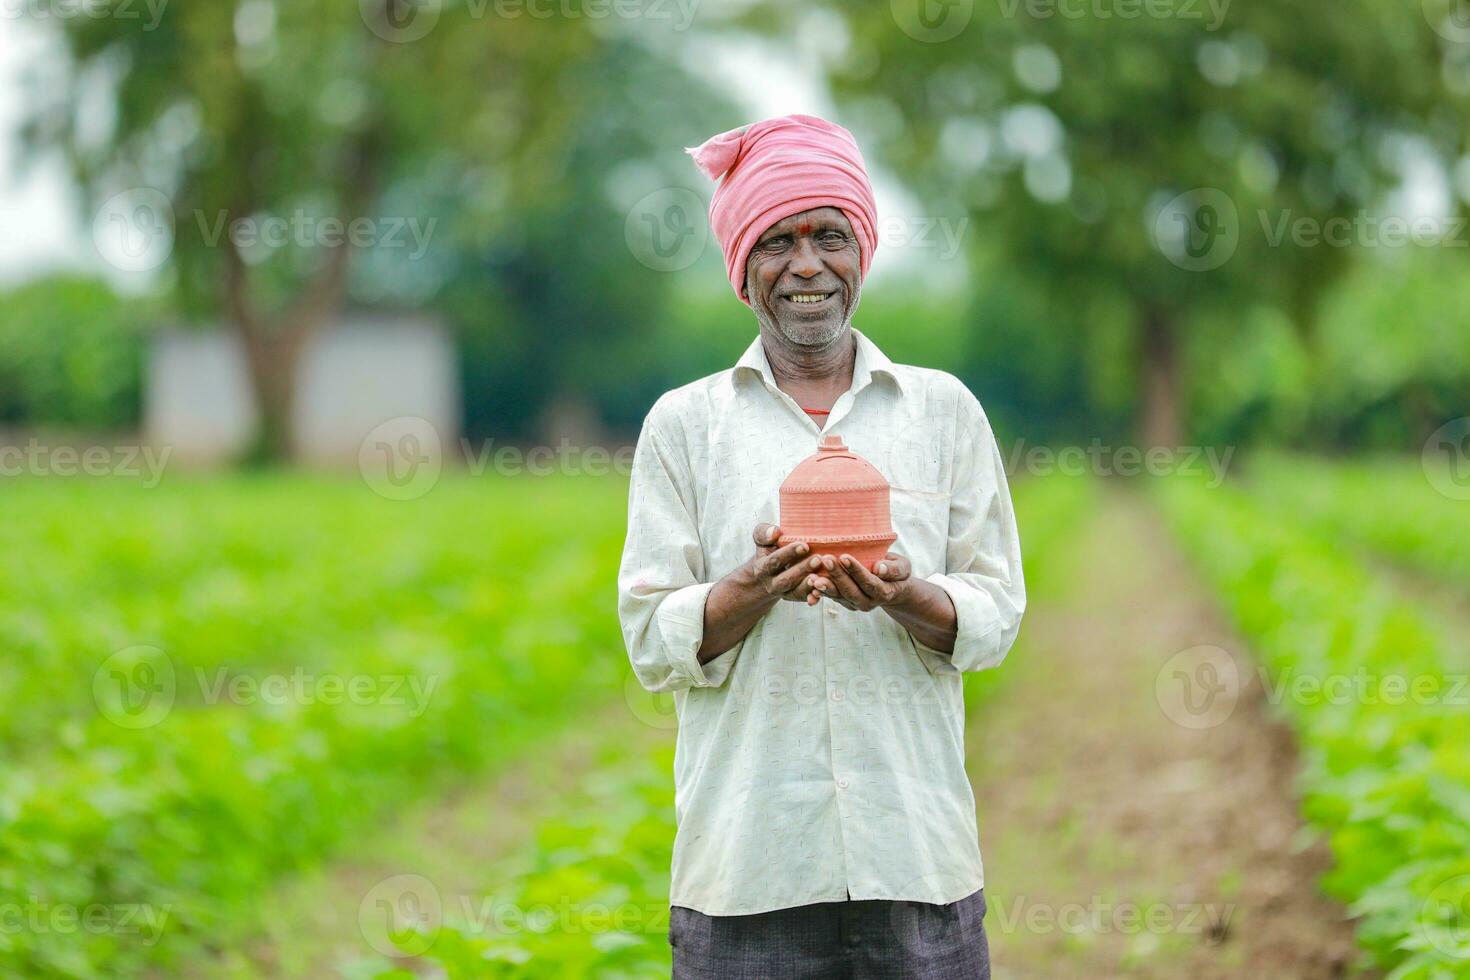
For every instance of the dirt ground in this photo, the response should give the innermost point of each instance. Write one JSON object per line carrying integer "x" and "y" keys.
{"x": 1127, "y": 831}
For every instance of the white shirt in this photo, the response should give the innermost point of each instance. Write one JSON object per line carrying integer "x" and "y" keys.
{"x": 823, "y": 757}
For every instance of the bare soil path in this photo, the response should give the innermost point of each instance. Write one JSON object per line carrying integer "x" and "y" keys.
{"x": 1129, "y": 831}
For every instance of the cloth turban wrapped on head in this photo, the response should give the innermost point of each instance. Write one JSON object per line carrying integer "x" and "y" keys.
{"x": 780, "y": 167}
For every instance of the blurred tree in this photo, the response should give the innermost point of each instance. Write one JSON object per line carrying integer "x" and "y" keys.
{"x": 307, "y": 113}
{"x": 584, "y": 299}
{"x": 1138, "y": 159}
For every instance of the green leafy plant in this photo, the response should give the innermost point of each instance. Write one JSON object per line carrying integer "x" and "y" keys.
{"x": 470, "y": 621}
{"x": 1385, "y": 776}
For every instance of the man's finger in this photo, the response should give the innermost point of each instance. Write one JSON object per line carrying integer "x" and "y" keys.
{"x": 766, "y": 535}
{"x": 821, "y": 585}
{"x": 793, "y": 576}
{"x": 872, "y": 586}
{"x": 893, "y": 568}
{"x": 846, "y": 587}
{"x": 783, "y": 558}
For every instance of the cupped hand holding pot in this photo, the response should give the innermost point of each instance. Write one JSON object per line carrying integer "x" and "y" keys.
{"x": 847, "y": 582}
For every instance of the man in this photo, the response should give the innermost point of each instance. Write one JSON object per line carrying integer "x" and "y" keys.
{"x": 826, "y": 827}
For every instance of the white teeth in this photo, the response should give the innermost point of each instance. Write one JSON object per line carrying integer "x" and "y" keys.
{"x": 808, "y": 297}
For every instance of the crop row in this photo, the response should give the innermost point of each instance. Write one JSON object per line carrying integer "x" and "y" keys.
{"x": 1385, "y": 770}
{"x": 223, "y": 681}
{"x": 1414, "y": 513}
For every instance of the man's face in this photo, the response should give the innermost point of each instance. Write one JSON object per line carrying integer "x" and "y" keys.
{"x": 803, "y": 276}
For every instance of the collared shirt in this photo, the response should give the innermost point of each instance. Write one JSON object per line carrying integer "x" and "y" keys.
{"x": 823, "y": 757}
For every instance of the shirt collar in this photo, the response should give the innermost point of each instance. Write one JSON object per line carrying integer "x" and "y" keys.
{"x": 868, "y": 362}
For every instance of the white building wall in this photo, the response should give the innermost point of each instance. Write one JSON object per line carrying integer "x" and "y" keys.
{"x": 351, "y": 379}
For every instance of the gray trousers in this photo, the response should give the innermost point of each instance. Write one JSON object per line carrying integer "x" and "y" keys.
{"x": 857, "y": 940}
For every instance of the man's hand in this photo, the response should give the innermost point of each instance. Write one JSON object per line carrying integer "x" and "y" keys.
{"x": 919, "y": 606}
{"x": 785, "y": 573}
{"x": 846, "y": 581}
{"x": 738, "y": 601}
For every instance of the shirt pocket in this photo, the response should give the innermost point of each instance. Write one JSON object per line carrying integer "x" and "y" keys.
{"x": 921, "y": 521}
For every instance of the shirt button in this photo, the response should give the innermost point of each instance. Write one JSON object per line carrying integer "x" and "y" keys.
{"x": 836, "y": 694}
{"x": 842, "y": 783}
{"x": 831, "y": 608}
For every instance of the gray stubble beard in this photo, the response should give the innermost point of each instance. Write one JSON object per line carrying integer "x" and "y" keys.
{"x": 807, "y": 341}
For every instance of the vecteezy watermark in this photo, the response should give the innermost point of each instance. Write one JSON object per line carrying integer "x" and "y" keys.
{"x": 400, "y": 21}
{"x": 150, "y": 12}
{"x": 1197, "y": 230}
{"x": 1366, "y": 687}
{"x": 1444, "y": 919}
{"x": 1362, "y": 229}
{"x": 679, "y": 13}
{"x": 932, "y": 21}
{"x": 403, "y": 915}
{"x": 401, "y": 459}
{"x": 137, "y": 688}
{"x": 133, "y": 230}
{"x": 1099, "y": 459}
{"x": 1201, "y": 229}
{"x": 37, "y": 917}
{"x": 1098, "y": 916}
{"x": 1450, "y": 19}
{"x": 1212, "y": 12}
{"x": 403, "y": 21}
{"x": 667, "y": 230}
{"x": 411, "y": 692}
{"x": 321, "y": 231}
{"x": 927, "y": 232}
{"x": 37, "y": 459}
{"x": 564, "y": 459}
{"x": 1198, "y": 688}
{"x": 1445, "y": 459}
{"x": 656, "y": 709}
{"x": 775, "y": 691}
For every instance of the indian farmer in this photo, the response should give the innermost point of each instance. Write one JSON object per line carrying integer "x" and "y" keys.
{"x": 826, "y": 827}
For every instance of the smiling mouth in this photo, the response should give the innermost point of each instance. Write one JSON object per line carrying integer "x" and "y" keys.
{"x": 808, "y": 299}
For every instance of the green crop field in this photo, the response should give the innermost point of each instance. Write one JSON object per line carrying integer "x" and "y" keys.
{"x": 211, "y": 683}
{"x": 1375, "y": 693}
{"x": 219, "y": 683}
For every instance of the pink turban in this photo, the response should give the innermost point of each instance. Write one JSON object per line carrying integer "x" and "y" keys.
{"x": 777, "y": 168}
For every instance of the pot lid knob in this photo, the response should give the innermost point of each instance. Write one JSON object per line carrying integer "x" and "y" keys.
{"x": 832, "y": 444}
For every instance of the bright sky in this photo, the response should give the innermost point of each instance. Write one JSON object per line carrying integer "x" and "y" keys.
{"x": 36, "y": 211}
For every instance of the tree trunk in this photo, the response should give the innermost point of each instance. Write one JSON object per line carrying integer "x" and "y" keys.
{"x": 1160, "y": 425}
{"x": 273, "y": 359}
{"x": 274, "y": 343}
{"x": 273, "y": 346}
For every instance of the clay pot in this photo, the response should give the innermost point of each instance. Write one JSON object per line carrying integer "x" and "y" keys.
{"x": 837, "y": 502}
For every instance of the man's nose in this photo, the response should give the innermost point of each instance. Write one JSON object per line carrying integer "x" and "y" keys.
{"x": 805, "y": 260}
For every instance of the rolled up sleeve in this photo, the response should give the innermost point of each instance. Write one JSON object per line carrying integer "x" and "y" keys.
{"x": 661, "y": 587}
{"x": 983, "y": 553}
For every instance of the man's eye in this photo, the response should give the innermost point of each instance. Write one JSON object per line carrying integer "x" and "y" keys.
{"x": 834, "y": 239}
